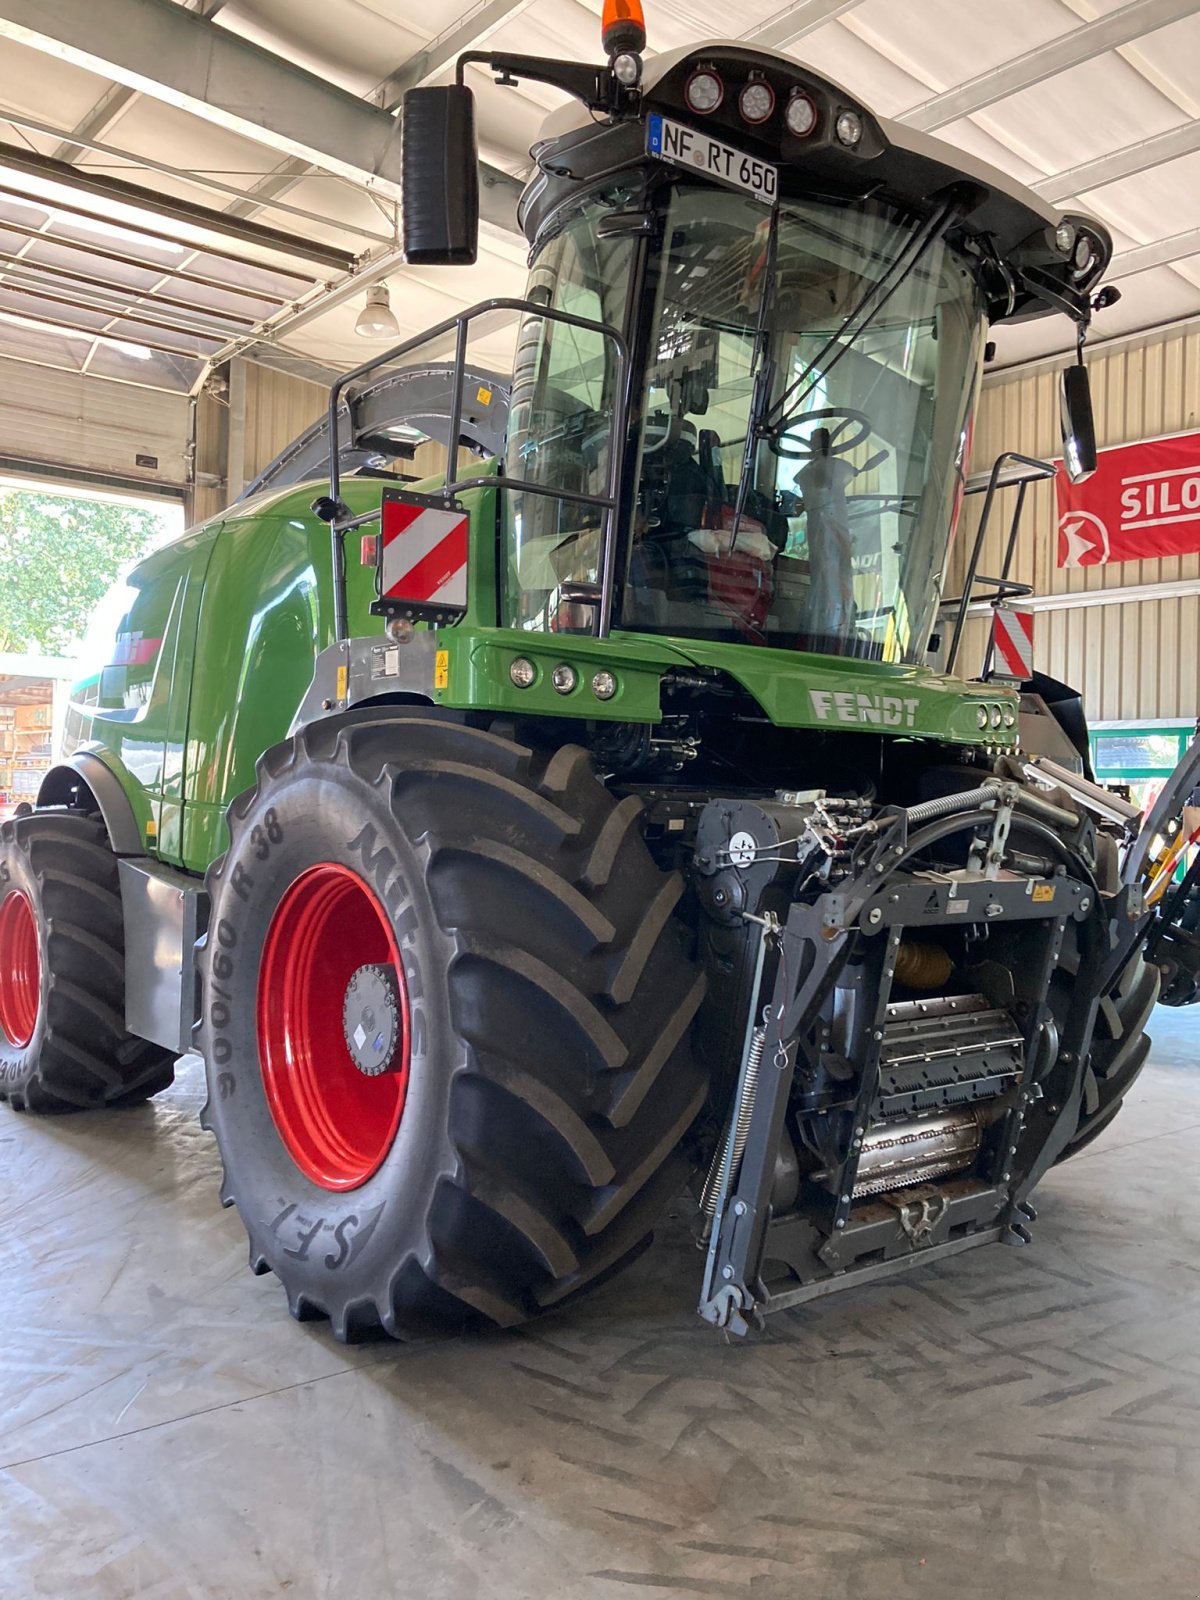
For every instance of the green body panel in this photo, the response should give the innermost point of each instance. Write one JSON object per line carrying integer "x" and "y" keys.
{"x": 794, "y": 689}
{"x": 133, "y": 711}
{"x": 217, "y": 646}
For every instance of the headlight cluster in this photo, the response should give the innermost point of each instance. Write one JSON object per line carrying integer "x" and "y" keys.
{"x": 705, "y": 91}
{"x": 995, "y": 716}
{"x": 563, "y": 678}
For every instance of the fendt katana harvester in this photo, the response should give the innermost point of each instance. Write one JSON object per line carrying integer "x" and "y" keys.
{"x": 609, "y": 823}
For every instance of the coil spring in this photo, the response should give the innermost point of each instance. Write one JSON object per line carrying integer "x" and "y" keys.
{"x": 733, "y": 1146}
{"x": 947, "y": 804}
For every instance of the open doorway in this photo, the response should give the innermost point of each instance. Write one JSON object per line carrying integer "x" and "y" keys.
{"x": 63, "y": 551}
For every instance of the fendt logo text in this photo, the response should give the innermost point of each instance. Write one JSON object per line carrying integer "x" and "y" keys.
{"x": 879, "y": 710}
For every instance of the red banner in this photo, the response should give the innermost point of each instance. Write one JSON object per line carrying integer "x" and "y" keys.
{"x": 1142, "y": 501}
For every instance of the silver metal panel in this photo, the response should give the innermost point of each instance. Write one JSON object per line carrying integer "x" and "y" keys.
{"x": 163, "y": 913}
{"x": 372, "y": 667}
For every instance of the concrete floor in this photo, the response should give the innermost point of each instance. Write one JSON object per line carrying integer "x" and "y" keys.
{"x": 1011, "y": 1425}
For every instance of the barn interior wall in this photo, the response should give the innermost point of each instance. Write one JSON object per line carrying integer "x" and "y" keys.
{"x": 1137, "y": 657}
{"x": 59, "y": 422}
{"x": 269, "y": 407}
{"x": 273, "y": 408}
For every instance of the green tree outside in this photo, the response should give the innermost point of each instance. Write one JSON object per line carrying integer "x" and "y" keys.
{"x": 58, "y": 557}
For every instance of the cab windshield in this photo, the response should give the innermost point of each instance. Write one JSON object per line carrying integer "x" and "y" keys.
{"x": 800, "y": 439}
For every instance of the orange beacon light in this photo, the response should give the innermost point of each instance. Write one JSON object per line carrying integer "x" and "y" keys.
{"x": 623, "y": 27}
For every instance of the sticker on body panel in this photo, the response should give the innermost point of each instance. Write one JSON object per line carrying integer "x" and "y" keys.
{"x": 685, "y": 147}
{"x": 863, "y": 710}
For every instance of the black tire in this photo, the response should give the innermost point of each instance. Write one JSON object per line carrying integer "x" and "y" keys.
{"x": 552, "y": 1079}
{"x": 1120, "y": 1046}
{"x": 78, "y": 1056}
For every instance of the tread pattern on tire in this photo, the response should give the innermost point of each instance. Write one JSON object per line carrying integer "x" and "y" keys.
{"x": 562, "y": 932}
{"x": 84, "y": 1058}
{"x": 1120, "y": 1046}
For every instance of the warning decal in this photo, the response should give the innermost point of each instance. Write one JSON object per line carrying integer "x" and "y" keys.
{"x": 1012, "y": 636}
{"x": 424, "y": 557}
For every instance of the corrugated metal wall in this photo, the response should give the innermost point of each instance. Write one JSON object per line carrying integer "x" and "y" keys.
{"x": 1138, "y": 658}
{"x": 277, "y": 407}
{"x": 51, "y": 418}
{"x": 208, "y": 494}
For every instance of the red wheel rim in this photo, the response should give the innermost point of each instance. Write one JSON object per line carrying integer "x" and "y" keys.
{"x": 337, "y": 1123}
{"x": 20, "y": 969}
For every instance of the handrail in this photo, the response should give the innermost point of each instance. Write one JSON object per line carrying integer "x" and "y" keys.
{"x": 458, "y": 325}
{"x": 1037, "y": 470}
{"x": 1004, "y": 588}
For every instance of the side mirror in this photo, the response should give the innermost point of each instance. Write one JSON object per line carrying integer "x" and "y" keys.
{"x": 1078, "y": 424}
{"x": 440, "y": 177}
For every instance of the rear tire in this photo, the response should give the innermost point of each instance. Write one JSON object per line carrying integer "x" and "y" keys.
{"x": 547, "y": 1073}
{"x": 63, "y": 1043}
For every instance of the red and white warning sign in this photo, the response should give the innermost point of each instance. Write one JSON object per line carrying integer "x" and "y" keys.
{"x": 1012, "y": 641}
{"x": 424, "y": 559}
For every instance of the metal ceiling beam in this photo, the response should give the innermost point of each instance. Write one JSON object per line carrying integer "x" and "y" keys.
{"x": 1124, "y": 163}
{"x": 103, "y": 187}
{"x": 213, "y": 336}
{"x": 498, "y": 196}
{"x": 114, "y": 102}
{"x": 1129, "y": 22}
{"x": 158, "y": 48}
{"x": 1159, "y": 253}
{"x": 270, "y": 189}
{"x": 94, "y": 124}
{"x": 314, "y": 305}
{"x": 794, "y": 21}
{"x": 202, "y": 180}
{"x": 161, "y": 49}
{"x": 468, "y": 33}
{"x": 158, "y": 268}
{"x": 134, "y": 294}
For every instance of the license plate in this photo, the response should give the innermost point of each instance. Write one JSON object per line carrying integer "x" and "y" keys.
{"x": 685, "y": 147}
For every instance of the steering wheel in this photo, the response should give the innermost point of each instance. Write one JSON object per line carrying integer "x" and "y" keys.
{"x": 839, "y": 442}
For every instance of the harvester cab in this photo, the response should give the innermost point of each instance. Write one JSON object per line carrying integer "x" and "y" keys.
{"x": 633, "y": 823}
{"x": 751, "y": 349}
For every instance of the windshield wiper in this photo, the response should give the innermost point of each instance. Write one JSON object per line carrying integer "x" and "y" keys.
{"x": 776, "y": 421}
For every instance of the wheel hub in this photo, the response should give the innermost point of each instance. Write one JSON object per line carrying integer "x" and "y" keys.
{"x": 371, "y": 1019}
{"x": 333, "y": 1026}
{"x": 20, "y": 969}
